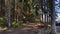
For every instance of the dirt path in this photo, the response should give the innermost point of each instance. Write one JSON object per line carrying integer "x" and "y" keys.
{"x": 27, "y": 29}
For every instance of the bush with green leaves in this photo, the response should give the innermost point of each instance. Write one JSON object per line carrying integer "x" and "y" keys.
{"x": 3, "y": 22}
{"x": 16, "y": 24}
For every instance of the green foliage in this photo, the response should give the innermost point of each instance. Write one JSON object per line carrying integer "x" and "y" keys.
{"x": 14, "y": 24}
{"x": 1, "y": 19}
{"x": 3, "y": 22}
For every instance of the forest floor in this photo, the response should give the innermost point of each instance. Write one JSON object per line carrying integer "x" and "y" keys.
{"x": 29, "y": 28}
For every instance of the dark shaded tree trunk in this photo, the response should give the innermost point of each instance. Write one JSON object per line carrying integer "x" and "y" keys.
{"x": 54, "y": 31}
{"x": 0, "y": 5}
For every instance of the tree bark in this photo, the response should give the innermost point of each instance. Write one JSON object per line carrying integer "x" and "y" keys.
{"x": 54, "y": 31}
{"x": 8, "y": 12}
{"x": 16, "y": 7}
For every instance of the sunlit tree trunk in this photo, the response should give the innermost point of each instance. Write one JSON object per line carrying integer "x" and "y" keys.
{"x": 16, "y": 7}
{"x": 8, "y": 12}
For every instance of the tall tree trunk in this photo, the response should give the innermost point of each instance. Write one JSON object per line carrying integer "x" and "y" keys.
{"x": 54, "y": 31}
{"x": 0, "y": 6}
{"x": 8, "y": 12}
{"x": 23, "y": 11}
{"x": 16, "y": 7}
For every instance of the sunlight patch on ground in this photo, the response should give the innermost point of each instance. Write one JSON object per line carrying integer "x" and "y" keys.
{"x": 3, "y": 28}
